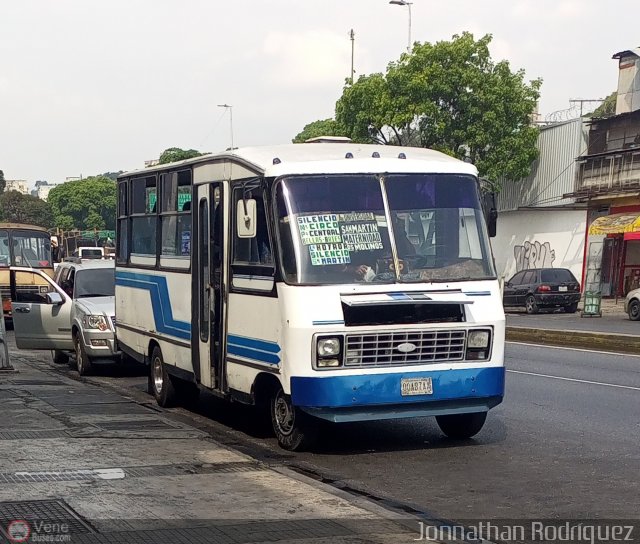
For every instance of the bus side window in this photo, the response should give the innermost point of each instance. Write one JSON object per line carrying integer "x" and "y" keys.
{"x": 143, "y": 223}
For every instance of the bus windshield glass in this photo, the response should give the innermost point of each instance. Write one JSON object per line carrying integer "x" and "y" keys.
{"x": 30, "y": 248}
{"x": 334, "y": 229}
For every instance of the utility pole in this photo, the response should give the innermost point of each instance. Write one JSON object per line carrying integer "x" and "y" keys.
{"x": 352, "y": 36}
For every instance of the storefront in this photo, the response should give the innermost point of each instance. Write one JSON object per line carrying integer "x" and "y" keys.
{"x": 619, "y": 254}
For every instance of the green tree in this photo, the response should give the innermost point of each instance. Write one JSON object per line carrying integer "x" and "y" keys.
{"x": 450, "y": 96}
{"x": 3, "y": 183}
{"x": 112, "y": 175}
{"x": 16, "y": 207}
{"x": 86, "y": 203}
{"x": 174, "y": 154}
{"x": 608, "y": 107}
{"x": 324, "y": 127}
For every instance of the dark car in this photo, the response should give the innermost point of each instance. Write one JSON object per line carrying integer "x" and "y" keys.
{"x": 543, "y": 288}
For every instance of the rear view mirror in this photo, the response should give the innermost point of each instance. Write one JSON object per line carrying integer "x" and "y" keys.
{"x": 246, "y": 218}
{"x": 54, "y": 298}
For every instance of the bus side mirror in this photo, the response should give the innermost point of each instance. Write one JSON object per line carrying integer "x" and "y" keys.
{"x": 246, "y": 218}
{"x": 492, "y": 224}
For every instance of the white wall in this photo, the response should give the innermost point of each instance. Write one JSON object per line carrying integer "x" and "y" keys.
{"x": 540, "y": 239}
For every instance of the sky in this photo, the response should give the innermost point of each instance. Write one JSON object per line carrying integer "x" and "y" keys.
{"x": 90, "y": 86}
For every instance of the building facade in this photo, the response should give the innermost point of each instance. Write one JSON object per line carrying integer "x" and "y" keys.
{"x": 538, "y": 226}
{"x": 607, "y": 182}
{"x": 20, "y": 185}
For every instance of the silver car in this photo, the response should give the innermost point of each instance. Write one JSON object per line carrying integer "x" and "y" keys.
{"x": 74, "y": 314}
{"x": 632, "y": 304}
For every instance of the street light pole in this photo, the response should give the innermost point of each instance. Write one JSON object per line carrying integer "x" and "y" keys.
{"x": 352, "y": 36}
{"x": 230, "y": 109}
{"x": 408, "y": 4}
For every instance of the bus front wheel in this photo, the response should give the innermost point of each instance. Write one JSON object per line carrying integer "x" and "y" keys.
{"x": 461, "y": 426}
{"x": 294, "y": 429}
{"x": 160, "y": 384}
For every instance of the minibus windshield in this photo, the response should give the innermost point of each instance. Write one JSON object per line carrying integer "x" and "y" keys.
{"x": 334, "y": 229}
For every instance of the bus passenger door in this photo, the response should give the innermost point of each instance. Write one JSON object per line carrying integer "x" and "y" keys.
{"x": 207, "y": 285}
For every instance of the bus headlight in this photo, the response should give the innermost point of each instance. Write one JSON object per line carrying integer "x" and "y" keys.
{"x": 328, "y": 352}
{"x": 328, "y": 347}
{"x": 96, "y": 322}
{"x": 478, "y": 345}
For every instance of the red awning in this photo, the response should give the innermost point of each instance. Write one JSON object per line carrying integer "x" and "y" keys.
{"x": 632, "y": 235}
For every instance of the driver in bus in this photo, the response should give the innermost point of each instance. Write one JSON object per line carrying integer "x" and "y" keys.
{"x": 365, "y": 268}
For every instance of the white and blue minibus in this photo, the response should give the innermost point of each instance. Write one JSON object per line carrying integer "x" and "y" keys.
{"x": 318, "y": 281}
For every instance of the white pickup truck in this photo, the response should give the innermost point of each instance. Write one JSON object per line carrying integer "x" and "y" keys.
{"x": 73, "y": 314}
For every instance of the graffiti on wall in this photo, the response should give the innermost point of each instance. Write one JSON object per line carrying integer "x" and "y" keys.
{"x": 534, "y": 255}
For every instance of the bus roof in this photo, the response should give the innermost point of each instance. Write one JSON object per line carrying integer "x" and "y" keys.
{"x": 315, "y": 158}
{"x": 22, "y": 226}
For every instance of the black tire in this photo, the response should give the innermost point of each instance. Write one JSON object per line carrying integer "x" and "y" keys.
{"x": 160, "y": 383}
{"x": 571, "y": 309}
{"x": 461, "y": 426}
{"x": 59, "y": 357}
{"x": 634, "y": 310}
{"x": 83, "y": 361}
{"x": 531, "y": 305}
{"x": 294, "y": 429}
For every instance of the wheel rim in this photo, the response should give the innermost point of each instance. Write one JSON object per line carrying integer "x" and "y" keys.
{"x": 530, "y": 304}
{"x": 79, "y": 358}
{"x": 157, "y": 375}
{"x": 635, "y": 309}
{"x": 284, "y": 414}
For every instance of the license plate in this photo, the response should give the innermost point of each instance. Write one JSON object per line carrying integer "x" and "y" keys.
{"x": 562, "y": 288}
{"x": 416, "y": 386}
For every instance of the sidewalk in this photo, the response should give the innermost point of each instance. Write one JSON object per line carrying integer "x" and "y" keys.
{"x": 98, "y": 467}
{"x": 611, "y": 332}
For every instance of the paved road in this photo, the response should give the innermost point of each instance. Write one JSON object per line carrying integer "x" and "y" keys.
{"x": 565, "y": 443}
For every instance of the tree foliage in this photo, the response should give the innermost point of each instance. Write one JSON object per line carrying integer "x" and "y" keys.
{"x": 16, "y": 207}
{"x": 323, "y": 127}
{"x": 84, "y": 204}
{"x": 3, "y": 183}
{"x": 450, "y": 96}
{"x": 174, "y": 154}
{"x": 608, "y": 107}
{"x": 112, "y": 175}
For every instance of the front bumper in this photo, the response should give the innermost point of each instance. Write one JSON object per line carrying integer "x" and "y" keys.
{"x": 556, "y": 299}
{"x": 109, "y": 349}
{"x": 377, "y": 396}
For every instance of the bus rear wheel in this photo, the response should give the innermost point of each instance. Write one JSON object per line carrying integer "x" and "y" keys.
{"x": 294, "y": 429}
{"x": 160, "y": 384}
{"x": 461, "y": 426}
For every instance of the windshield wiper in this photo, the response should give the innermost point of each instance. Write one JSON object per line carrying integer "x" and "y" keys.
{"x": 88, "y": 295}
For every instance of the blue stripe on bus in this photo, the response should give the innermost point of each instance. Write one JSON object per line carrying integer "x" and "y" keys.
{"x": 160, "y": 302}
{"x": 399, "y": 296}
{"x": 253, "y": 348}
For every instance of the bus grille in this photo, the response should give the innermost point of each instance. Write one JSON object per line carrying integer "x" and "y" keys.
{"x": 422, "y": 347}
{"x": 5, "y": 292}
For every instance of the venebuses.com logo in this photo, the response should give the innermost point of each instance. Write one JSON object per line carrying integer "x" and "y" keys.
{"x": 18, "y": 530}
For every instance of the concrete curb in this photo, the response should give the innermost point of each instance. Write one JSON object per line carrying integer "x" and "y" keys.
{"x": 602, "y": 341}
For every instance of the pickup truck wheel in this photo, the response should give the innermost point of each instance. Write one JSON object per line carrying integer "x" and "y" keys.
{"x": 59, "y": 357}
{"x": 83, "y": 361}
{"x": 160, "y": 384}
{"x": 461, "y": 426}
